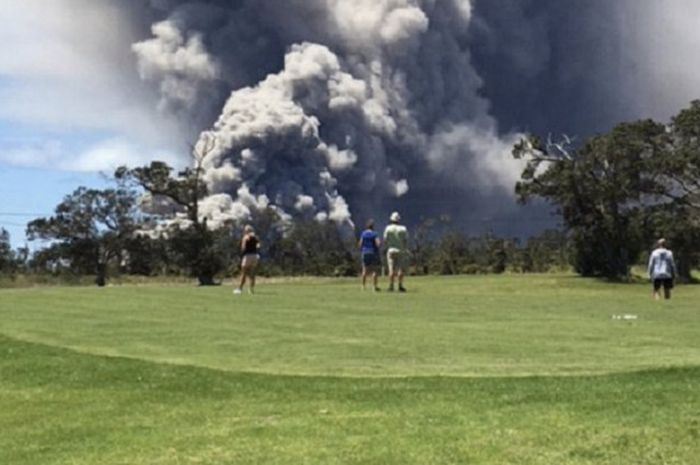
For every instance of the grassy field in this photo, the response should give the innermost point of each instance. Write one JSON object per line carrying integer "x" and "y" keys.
{"x": 474, "y": 370}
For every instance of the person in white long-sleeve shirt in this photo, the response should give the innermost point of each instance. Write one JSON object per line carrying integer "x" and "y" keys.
{"x": 662, "y": 269}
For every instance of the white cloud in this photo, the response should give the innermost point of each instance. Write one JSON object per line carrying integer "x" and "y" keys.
{"x": 112, "y": 153}
{"x": 102, "y": 156}
{"x": 65, "y": 67}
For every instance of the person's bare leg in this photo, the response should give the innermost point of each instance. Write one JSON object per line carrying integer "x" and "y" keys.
{"x": 401, "y": 288}
{"x": 252, "y": 281}
{"x": 667, "y": 293}
{"x": 364, "y": 277}
{"x": 390, "y": 271}
{"x": 244, "y": 275}
{"x": 375, "y": 280}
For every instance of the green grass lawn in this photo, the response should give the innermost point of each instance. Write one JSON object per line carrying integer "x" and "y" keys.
{"x": 473, "y": 370}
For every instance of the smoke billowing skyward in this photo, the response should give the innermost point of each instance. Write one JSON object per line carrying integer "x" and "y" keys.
{"x": 344, "y": 109}
{"x": 336, "y": 108}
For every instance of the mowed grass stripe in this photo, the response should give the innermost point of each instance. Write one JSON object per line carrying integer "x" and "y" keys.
{"x": 464, "y": 326}
{"x": 62, "y": 407}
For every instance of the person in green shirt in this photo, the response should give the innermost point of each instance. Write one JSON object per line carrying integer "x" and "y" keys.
{"x": 396, "y": 240}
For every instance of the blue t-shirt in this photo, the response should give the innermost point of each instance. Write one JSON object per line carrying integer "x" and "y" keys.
{"x": 369, "y": 242}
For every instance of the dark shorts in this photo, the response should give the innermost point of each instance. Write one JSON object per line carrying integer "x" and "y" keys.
{"x": 371, "y": 260}
{"x": 667, "y": 283}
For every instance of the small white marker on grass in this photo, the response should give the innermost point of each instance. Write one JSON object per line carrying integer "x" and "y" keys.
{"x": 627, "y": 317}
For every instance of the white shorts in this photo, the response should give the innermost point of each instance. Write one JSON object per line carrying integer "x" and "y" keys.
{"x": 396, "y": 260}
{"x": 250, "y": 260}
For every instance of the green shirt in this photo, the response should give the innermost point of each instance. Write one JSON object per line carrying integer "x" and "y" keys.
{"x": 396, "y": 237}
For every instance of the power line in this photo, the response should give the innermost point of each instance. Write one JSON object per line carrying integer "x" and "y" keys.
{"x": 23, "y": 215}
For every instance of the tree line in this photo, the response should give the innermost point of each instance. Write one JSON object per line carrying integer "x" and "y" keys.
{"x": 296, "y": 249}
{"x": 615, "y": 193}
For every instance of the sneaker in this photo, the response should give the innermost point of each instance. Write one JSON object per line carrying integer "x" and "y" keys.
{"x": 376, "y": 289}
{"x": 402, "y": 289}
{"x": 237, "y": 291}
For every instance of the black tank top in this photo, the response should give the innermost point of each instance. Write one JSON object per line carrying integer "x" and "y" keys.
{"x": 251, "y": 245}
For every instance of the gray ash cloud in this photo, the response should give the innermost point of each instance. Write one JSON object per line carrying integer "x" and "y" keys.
{"x": 344, "y": 109}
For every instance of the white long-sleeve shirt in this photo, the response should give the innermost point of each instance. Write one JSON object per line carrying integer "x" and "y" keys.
{"x": 661, "y": 265}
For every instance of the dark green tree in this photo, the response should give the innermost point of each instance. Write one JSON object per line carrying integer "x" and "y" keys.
{"x": 426, "y": 246}
{"x": 314, "y": 248}
{"x": 676, "y": 213}
{"x": 545, "y": 252}
{"x": 500, "y": 252}
{"x": 679, "y": 225}
{"x": 680, "y": 171}
{"x": 600, "y": 189}
{"x": 147, "y": 256}
{"x": 192, "y": 243}
{"x": 423, "y": 245}
{"x": 89, "y": 229}
{"x": 7, "y": 256}
{"x": 453, "y": 254}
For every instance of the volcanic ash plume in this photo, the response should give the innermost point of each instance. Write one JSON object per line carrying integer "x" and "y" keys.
{"x": 182, "y": 66}
{"x": 369, "y": 101}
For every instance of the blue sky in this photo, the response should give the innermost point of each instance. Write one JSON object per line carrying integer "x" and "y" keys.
{"x": 35, "y": 173}
{"x": 40, "y": 164}
{"x": 29, "y": 193}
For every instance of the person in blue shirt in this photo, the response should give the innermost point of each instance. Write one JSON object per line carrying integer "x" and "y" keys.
{"x": 369, "y": 245}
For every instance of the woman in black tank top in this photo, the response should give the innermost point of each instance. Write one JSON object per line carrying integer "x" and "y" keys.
{"x": 250, "y": 246}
